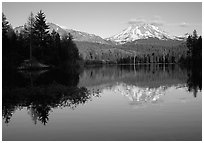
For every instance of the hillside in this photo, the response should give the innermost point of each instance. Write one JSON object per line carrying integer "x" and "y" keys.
{"x": 105, "y": 52}
{"x": 77, "y": 35}
{"x": 101, "y": 52}
{"x": 143, "y": 40}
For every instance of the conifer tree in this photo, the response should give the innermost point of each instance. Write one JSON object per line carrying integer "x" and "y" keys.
{"x": 29, "y": 26}
{"x": 28, "y": 33}
{"x": 69, "y": 51}
{"x": 41, "y": 31}
{"x": 54, "y": 48}
{"x": 40, "y": 26}
{"x": 5, "y": 25}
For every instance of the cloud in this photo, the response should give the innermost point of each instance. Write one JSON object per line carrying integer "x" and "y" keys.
{"x": 136, "y": 21}
{"x": 183, "y": 24}
{"x": 157, "y": 22}
{"x": 157, "y": 17}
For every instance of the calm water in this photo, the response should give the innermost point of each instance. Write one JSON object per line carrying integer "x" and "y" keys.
{"x": 153, "y": 102}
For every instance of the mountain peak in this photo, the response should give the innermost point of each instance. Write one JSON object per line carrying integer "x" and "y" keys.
{"x": 139, "y": 31}
{"x": 77, "y": 35}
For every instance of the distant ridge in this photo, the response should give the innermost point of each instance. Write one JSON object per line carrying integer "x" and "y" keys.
{"x": 128, "y": 35}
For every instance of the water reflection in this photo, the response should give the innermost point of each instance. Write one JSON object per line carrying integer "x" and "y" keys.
{"x": 42, "y": 91}
{"x": 194, "y": 80}
{"x": 151, "y": 76}
{"x": 142, "y": 84}
{"x": 139, "y": 96}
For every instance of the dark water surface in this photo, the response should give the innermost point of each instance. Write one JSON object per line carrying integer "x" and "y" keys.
{"x": 152, "y": 102}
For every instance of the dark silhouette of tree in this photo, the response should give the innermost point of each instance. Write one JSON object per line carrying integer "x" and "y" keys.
{"x": 28, "y": 34}
{"x": 41, "y": 33}
{"x": 29, "y": 26}
{"x": 10, "y": 55}
{"x": 35, "y": 42}
{"x": 55, "y": 88}
{"x": 5, "y": 25}
{"x": 69, "y": 52}
{"x": 53, "y": 50}
{"x": 194, "y": 62}
{"x": 194, "y": 80}
{"x": 5, "y": 29}
{"x": 194, "y": 45}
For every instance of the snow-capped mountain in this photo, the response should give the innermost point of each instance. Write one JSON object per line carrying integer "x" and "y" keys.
{"x": 182, "y": 37}
{"x": 139, "y": 31}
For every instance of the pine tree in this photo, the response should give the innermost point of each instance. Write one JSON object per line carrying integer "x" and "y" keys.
{"x": 5, "y": 25}
{"x": 194, "y": 45}
{"x": 55, "y": 47}
{"x": 41, "y": 31}
{"x": 29, "y": 26}
{"x": 40, "y": 26}
{"x": 69, "y": 51}
{"x": 5, "y": 39}
{"x": 10, "y": 56}
{"x": 189, "y": 44}
{"x": 28, "y": 32}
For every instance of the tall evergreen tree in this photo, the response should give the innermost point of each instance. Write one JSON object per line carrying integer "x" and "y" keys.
{"x": 69, "y": 51}
{"x": 41, "y": 31}
{"x": 189, "y": 44}
{"x": 5, "y": 25}
{"x": 40, "y": 26}
{"x": 10, "y": 55}
{"x": 29, "y": 26}
{"x": 194, "y": 45}
{"x": 54, "y": 48}
{"x": 28, "y": 33}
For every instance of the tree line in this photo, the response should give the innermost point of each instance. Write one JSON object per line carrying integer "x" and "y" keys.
{"x": 193, "y": 62}
{"x": 36, "y": 43}
{"x": 188, "y": 53}
{"x": 194, "y": 55}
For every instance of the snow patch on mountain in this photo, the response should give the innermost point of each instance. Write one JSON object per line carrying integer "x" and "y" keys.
{"x": 140, "y": 31}
{"x": 181, "y": 37}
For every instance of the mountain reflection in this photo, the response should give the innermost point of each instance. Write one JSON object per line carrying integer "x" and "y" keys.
{"x": 143, "y": 83}
{"x": 138, "y": 95}
{"x": 42, "y": 91}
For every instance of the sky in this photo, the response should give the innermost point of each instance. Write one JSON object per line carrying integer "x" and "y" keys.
{"x": 107, "y": 19}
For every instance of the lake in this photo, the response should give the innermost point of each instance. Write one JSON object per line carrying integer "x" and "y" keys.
{"x": 103, "y": 103}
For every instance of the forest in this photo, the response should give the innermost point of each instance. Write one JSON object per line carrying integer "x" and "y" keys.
{"x": 36, "y": 43}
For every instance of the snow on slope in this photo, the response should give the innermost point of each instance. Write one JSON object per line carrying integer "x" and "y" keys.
{"x": 139, "y": 31}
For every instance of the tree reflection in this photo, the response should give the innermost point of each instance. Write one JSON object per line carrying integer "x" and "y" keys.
{"x": 149, "y": 75}
{"x": 194, "y": 80}
{"x": 43, "y": 91}
{"x": 46, "y": 91}
{"x": 143, "y": 75}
